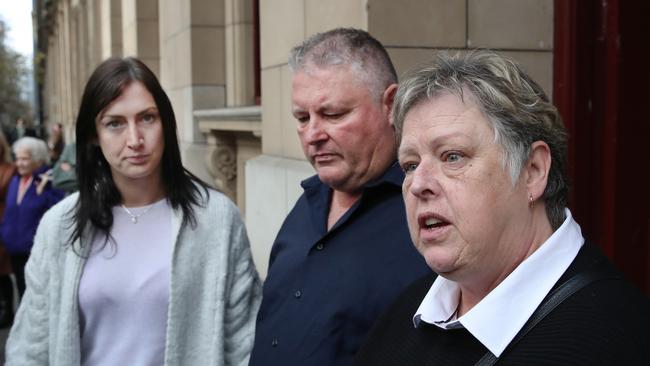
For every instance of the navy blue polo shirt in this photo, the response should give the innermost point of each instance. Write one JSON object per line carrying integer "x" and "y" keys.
{"x": 325, "y": 289}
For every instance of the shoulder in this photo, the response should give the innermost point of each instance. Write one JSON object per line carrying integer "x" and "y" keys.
{"x": 54, "y": 230}
{"x": 61, "y": 213}
{"x": 409, "y": 300}
{"x": 609, "y": 283}
{"x": 395, "y": 326}
{"x": 63, "y": 210}
{"x": 400, "y": 312}
{"x": 608, "y": 316}
{"x": 216, "y": 212}
{"x": 607, "y": 322}
{"x": 215, "y": 202}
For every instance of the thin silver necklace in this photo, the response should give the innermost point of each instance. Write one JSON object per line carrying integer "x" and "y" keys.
{"x": 134, "y": 218}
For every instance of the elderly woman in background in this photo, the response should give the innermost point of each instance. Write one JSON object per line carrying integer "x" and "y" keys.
{"x": 484, "y": 152}
{"x": 30, "y": 194}
{"x": 7, "y": 171}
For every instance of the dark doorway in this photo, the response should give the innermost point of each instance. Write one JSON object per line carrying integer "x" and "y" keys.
{"x": 601, "y": 89}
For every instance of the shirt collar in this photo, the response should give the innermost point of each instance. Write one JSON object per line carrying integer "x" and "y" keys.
{"x": 500, "y": 315}
{"x": 393, "y": 175}
{"x": 318, "y": 195}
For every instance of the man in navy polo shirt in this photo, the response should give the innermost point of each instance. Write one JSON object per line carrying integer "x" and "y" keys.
{"x": 343, "y": 253}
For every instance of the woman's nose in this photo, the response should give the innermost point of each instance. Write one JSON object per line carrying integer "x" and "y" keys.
{"x": 423, "y": 182}
{"x": 135, "y": 139}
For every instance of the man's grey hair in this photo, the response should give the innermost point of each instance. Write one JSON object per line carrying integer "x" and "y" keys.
{"x": 516, "y": 107}
{"x": 347, "y": 47}
{"x": 36, "y": 147}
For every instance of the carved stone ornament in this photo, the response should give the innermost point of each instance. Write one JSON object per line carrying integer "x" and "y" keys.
{"x": 222, "y": 165}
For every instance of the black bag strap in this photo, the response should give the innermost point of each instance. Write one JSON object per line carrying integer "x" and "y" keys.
{"x": 563, "y": 292}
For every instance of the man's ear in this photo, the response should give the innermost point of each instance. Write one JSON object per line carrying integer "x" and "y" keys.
{"x": 387, "y": 101}
{"x": 537, "y": 169}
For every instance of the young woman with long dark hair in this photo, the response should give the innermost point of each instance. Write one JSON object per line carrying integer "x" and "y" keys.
{"x": 146, "y": 265}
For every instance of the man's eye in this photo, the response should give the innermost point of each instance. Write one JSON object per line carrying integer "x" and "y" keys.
{"x": 335, "y": 115}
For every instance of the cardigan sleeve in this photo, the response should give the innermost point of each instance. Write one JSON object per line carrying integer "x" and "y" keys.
{"x": 28, "y": 342}
{"x": 245, "y": 296}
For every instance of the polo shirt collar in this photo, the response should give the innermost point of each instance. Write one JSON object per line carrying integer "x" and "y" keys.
{"x": 318, "y": 196}
{"x": 393, "y": 175}
{"x": 500, "y": 315}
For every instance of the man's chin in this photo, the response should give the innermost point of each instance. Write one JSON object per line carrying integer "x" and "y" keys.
{"x": 332, "y": 178}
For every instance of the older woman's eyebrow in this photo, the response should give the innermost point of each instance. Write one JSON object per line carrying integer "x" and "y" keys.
{"x": 441, "y": 138}
{"x": 405, "y": 150}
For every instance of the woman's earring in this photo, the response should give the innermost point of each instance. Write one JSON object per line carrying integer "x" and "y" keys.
{"x": 531, "y": 202}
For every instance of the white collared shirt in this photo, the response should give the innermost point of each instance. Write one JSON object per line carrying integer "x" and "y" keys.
{"x": 500, "y": 315}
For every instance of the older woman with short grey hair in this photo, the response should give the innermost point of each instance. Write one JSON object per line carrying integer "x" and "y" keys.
{"x": 515, "y": 106}
{"x": 484, "y": 152}
{"x": 37, "y": 149}
{"x": 30, "y": 194}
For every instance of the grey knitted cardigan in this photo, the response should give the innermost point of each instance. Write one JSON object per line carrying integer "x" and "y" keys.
{"x": 214, "y": 295}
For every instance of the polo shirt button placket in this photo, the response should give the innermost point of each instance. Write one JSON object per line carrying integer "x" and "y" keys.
{"x": 319, "y": 246}
{"x": 274, "y": 343}
{"x": 297, "y": 294}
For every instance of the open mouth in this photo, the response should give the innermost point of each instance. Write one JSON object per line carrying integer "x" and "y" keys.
{"x": 431, "y": 222}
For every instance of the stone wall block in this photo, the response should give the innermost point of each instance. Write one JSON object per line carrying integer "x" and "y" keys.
{"x": 511, "y": 24}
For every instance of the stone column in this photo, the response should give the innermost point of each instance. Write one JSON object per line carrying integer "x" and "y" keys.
{"x": 94, "y": 25}
{"x": 193, "y": 69}
{"x": 50, "y": 94}
{"x": 75, "y": 53}
{"x": 239, "y": 36}
{"x": 66, "y": 50}
{"x": 111, "y": 28}
{"x": 140, "y": 32}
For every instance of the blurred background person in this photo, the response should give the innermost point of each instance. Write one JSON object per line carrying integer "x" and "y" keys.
{"x": 20, "y": 130}
{"x": 145, "y": 265}
{"x": 55, "y": 142}
{"x": 64, "y": 173}
{"x": 30, "y": 194}
{"x": 7, "y": 171}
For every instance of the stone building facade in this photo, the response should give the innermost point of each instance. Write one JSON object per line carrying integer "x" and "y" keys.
{"x": 224, "y": 65}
